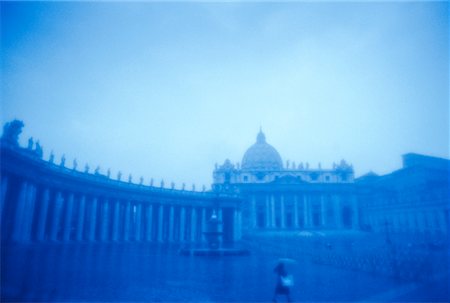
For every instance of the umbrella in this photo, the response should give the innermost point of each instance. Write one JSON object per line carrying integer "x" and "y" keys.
{"x": 287, "y": 261}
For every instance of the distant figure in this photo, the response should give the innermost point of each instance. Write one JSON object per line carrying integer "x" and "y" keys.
{"x": 52, "y": 157}
{"x": 39, "y": 152}
{"x": 30, "y": 143}
{"x": 63, "y": 160}
{"x": 284, "y": 281}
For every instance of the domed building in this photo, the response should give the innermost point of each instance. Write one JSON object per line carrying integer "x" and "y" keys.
{"x": 291, "y": 196}
{"x": 261, "y": 156}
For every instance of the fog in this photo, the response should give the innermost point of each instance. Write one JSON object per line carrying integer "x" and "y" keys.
{"x": 166, "y": 90}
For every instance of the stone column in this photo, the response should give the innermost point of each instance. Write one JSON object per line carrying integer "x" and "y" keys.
{"x": 182, "y": 224}
{"x": 282, "y": 215}
{"x": 29, "y": 214}
{"x": 236, "y": 228}
{"x": 268, "y": 219}
{"x": 323, "y": 220}
{"x": 20, "y": 211}
{"x": 105, "y": 221}
{"x": 138, "y": 221}
{"x": 93, "y": 220}
{"x": 239, "y": 224}
{"x": 149, "y": 210}
{"x": 272, "y": 211}
{"x": 160, "y": 223}
{"x": 337, "y": 211}
{"x": 171, "y": 223}
{"x": 68, "y": 218}
{"x": 306, "y": 211}
{"x": 43, "y": 215}
{"x": 3, "y": 193}
{"x": 253, "y": 211}
{"x": 193, "y": 225}
{"x": 203, "y": 223}
{"x": 355, "y": 213}
{"x": 57, "y": 216}
{"x": 127, "y": 222}
{"x": 295, "y": 211}
{"x": 81, "y": 214}
{"x": 116, "y": 223}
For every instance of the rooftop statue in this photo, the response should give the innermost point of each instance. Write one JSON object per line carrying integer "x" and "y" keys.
{"x": 141, "y": 180}
{"x": 63, "y": 160}
{"x": 130, "y": 178}
{"x": 119, "y": 175}
{"x": 30, "y": 143}
{"x": 162, "y": 183}
{"x": 86, "y": 168}
{"x": 75, "y": 164}
{"x": 52, "y": 157}
{"x": 38, "y": 150}
{"x": 108, "y": 173}
{"x": 172, "y": 185}
{"x": 11, "y": 132}
{"x": 97, "y": 170}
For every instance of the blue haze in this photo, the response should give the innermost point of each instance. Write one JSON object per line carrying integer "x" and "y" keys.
{"x": 165, "y": 90}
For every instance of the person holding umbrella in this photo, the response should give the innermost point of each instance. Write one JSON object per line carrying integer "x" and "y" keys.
{"x": 284, "y": 280}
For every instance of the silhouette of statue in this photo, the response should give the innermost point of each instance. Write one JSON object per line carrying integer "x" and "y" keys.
{"x": 193, "y": 187}
{"x": 97, "y": 170}
{"x": 30, "y": 143}
{"x": 86, "y": 168}
{"x": 108, "y": 173}
{"x": 63, "y": 160}
{"x": 203, "y": 188}
{"x": 119, "y": 175}
{"x": 172, "y": 185}
{"x": 141, "y": 180}
{"x": 38, "y": 150}
{"x": 130, "y": 178}
{"x": 162, "y": 183}
{"x": 151, "y": 182}
{"x": 75, "y": 164}
{"x": 11, "y": 132}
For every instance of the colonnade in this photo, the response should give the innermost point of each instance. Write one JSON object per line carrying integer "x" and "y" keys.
{"x": 35, "y": 212}
{"x": 303, "y": 210}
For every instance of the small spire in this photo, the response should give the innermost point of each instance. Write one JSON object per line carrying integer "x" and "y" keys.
{"x": 261, "y": 138}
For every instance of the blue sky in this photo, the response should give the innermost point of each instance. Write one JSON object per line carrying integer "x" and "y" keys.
{"x": 166, "y": 90}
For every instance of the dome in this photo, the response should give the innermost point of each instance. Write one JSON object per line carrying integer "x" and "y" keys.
{"x": 261, "y": 156}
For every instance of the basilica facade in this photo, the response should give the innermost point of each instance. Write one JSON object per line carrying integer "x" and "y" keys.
{"x": 290, "y": 197}
{"x": 413, "y": 200}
